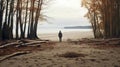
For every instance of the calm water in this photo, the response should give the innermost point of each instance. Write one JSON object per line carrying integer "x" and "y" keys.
{"x": 63, "y": 30}
{"x": 74, "y": 34}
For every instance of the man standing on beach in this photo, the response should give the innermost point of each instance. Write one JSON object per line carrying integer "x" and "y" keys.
{"x": 60, "y": 36}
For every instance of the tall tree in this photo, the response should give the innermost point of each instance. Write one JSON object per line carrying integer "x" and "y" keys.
{"x": 20, "y": 16}
{"x": 104, "y": 13}
{"x": 2, "y": 6}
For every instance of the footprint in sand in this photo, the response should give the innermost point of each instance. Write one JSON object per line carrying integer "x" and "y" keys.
{"x": 105, "y": 59}
{"x": 36, "y": 60}
{"x": 116, "y": 66}
{"x": 11, "y": 63}
{"x": 27, "y": 62}
{"x": 93, "y": 60}
{"x": 118, "y": 60}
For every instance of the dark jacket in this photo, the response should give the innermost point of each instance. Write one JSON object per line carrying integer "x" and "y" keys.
{"x": 60, "y": 34}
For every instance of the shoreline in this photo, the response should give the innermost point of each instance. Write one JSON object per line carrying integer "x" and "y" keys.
{"x": 72, "y": 35}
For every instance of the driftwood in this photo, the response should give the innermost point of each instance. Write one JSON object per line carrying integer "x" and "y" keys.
{"x": 14, "y": 54}
{"x": 20, "y": 43}
{"x": 9, "y": 44}
{"x": 33, "y": 43}
{"x": 27, "y": 40}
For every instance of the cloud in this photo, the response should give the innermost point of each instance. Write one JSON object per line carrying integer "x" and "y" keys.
{"x": 65, "y": 13}
{"x": 66, "y": 9}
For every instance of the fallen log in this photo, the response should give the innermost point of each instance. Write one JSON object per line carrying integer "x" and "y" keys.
{"x": 34, "y": 44}
{"x": 14, "y": 54}
{"x": 27, "y": 40}
{"x": 114, "y": 39}
{"x": 9, "y": 44}
{"x": 20, "y": 43}
{"x": 114, "y": 43}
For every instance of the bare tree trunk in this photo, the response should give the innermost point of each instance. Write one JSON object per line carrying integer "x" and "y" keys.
{"x": 1, "y": 17}
{"x": 26, "y": 18}
{"x": 17, "y": 20}
{"x": 10, "y": 19}
{"x": 5, "y": 28}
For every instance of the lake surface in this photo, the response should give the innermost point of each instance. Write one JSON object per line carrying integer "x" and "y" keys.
{"x": 63, "y": 30}
{"x": 73, "y": 34}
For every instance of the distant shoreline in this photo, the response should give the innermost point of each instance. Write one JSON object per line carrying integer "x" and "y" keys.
{"x": 78, "y": 27}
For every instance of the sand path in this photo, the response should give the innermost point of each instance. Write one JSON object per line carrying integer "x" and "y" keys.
{"x": 50, "y": 58}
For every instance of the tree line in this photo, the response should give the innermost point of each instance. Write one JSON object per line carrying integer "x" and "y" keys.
{"x": 104, "y": 16}
{"x": 21, "y": 16}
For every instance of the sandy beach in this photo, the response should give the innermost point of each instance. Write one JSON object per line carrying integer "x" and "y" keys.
{"x": 74, "y": 53}
{"x": 73, "y": 35}
{"x": 89, "y": 56}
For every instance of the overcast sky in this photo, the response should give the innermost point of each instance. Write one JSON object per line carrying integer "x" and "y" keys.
{"x": 65, "y": 13}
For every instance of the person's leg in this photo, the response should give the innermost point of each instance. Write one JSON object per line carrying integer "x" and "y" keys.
{"x": 60, "y": 39}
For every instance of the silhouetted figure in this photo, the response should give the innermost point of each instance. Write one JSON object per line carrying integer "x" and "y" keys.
{"x": 60, "y": 36}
